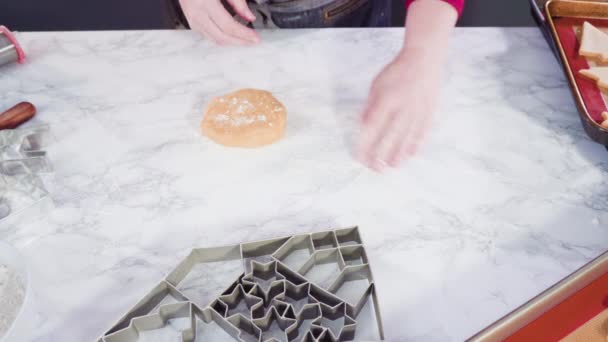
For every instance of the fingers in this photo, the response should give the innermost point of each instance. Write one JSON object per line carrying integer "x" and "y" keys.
{"x": 213, "y": 20}
{"x": 230, "y": 28}
{"x": 202, "y": 25}
{"x": 408, "y": 146}
{"x": 208, "y": 27}
{"x": 389, "y": 136}
{"x": 374, "y": 119}
{"x": 367, "y": 111}
{"x": 241, "y": 8}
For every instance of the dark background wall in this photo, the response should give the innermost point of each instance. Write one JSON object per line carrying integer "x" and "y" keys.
{"x": 41, "y": 15}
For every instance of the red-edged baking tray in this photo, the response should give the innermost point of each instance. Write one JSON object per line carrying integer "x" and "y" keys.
{"x": 563, "y": 312}
{"x": 564, "y": 19}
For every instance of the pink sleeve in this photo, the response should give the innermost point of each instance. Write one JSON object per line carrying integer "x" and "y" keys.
{"x": 458, "y": 4}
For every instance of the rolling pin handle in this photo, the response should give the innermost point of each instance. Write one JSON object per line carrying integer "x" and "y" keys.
{"x": 17, "y": 115}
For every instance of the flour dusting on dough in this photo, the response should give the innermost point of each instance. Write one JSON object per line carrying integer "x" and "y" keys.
{"x": 238, "y": 121}
{"x": 240, "y": 113}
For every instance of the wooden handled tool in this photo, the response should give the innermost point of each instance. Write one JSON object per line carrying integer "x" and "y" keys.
{"x": 17, "y": 115}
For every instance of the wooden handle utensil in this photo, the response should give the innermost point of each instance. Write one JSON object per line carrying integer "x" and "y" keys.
{"x": 17, "y": 115}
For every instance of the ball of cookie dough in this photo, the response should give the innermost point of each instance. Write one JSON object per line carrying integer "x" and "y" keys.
{"x": 245, "y": 118}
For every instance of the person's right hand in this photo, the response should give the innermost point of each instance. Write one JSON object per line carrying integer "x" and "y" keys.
{"x": 210, "y": 18}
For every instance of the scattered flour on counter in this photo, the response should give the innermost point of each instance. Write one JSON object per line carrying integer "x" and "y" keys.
{"x": 11, "y": 298}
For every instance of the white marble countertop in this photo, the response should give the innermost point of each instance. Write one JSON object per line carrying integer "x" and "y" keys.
{"x": 507, "y": 196}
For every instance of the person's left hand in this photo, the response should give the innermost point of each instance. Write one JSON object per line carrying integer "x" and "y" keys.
{"x": 210, "y": 18}
{"x": 398, "y": 112}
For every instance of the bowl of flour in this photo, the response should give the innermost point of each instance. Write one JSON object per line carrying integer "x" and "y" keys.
{"x": 13, "y": 290}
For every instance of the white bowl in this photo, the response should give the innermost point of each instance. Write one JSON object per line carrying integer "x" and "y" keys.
{"x": 16, "y": 263}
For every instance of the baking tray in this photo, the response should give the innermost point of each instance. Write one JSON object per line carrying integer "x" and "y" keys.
{"x": 558, "y": 311}
{"x": 564, "y": 19}
{"x": 308, "y": 287}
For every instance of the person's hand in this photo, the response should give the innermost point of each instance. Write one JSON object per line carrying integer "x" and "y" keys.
{"x": 398, "y": 112}
{"x": 210, "y": 18}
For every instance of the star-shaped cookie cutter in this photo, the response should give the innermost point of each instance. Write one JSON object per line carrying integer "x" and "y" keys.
{"x": 273, "y": 302}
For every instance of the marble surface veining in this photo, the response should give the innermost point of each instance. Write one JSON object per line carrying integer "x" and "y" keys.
{"x": 507, "y": 196}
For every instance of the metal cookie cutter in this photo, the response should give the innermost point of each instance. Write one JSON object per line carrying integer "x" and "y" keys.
{"x": 313, "y": 287}
{"x": 20, "y": 192}
{"x": 10, "y": 50}
{"x": 22, "y": 158}
{"x": 21, "y": 151}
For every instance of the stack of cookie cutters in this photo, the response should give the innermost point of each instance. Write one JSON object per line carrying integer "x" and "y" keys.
{"x": 10, "y": 49}
{"x": 22, "y": 159}
{"x": 312, "y": 287}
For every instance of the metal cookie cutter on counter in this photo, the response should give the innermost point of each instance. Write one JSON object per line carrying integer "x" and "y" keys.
{"x": 22, "y": 158}
{"x": 310, "y": 287}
